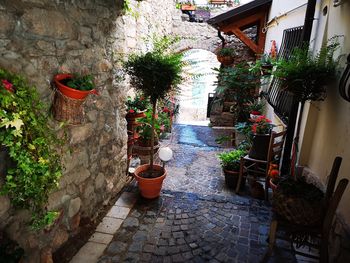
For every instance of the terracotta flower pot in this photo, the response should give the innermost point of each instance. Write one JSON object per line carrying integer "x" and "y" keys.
{"x": 69, "y": 92}
{"x": 225, "y": 60}
{"x": 149, "y": 187}
{"x": 231, "y": 179}
{"x": 260, "y": 146}
{"x": 131, "y": 120}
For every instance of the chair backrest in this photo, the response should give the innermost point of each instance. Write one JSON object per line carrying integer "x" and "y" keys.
{"x": 332, "y": 198}
{"x": 276, "y": 145}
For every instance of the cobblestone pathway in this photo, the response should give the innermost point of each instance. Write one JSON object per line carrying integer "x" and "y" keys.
{"x": 196, "y": 219}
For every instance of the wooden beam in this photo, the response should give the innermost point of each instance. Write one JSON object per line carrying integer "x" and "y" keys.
{"x": 246, "y": 40}
{"x": 236, "y": 28}
{"x": 243, "y": 22}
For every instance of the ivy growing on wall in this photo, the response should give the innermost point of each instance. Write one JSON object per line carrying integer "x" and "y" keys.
{"x": 32, "y": 146}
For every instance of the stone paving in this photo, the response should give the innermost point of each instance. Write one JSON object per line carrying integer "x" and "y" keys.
{"x": 196, "y": 218}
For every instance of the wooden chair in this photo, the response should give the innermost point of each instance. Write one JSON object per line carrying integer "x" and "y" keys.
{"x": 320, "y": 231}
{"x": 259, "y": 168}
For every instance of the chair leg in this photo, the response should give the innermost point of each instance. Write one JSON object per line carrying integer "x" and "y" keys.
{"x": 272, "y": 241}
{"x": 267, "y": 183}
{"x": 324, "y": 257}
{"x": 241, "y": 166}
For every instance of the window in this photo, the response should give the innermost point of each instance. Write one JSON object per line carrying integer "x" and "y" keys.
{"x": 279, "y": 99}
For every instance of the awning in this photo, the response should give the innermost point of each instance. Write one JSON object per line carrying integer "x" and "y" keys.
{"x": 245, "y": 16}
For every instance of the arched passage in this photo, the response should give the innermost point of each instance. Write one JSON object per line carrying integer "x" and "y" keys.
{"x": 200, "y": 81}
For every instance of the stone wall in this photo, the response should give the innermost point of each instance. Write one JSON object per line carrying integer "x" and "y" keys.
{"x": 37, "y": 40}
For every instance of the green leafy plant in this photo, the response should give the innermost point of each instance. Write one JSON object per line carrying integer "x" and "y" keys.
{"x": 306, "y": 75}
{"x": 256, "y": 107}
{"x": 263, "y": 65}
{"x": 231, "y": 160}
{"x": 46, "y": 221}
{"x": 31, "y": 144}
{"x": 137, "y": 104}
{"x": 155, "y": 73}
{"x": 80, "y": 82}
{"x": 239, "y": 84}
{"x": 226, "y": 52}
{"x": 245, "y": 128}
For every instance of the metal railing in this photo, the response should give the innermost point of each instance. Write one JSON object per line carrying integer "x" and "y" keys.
{"x": 280, "y": 99}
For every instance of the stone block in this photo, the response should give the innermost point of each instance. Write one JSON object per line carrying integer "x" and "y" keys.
{"x": 78, "y": 157}
{"x": 46, "y": 255}
{"x": 80, "y": 133}
{"x": 118, "y": 212}
{"x": 74, "y": 222}
{"x": 55, "y": 199}
{"x": 102, "y": 238}
{"x": 109, "y": 225}
{"x": 4, "y": 205}
{"x": 80, "y": 175}
{"x": 99, "y": 181}
{"x": 126, "y": 200}
{"x": 74, "y": 207}
{"x": 89, "y": 253}
{"x": 7, "y": 23}
{"x": 57, "y": 26}
{"x": 60, "y": 237}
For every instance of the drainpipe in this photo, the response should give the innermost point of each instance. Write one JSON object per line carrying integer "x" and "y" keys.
{"x": 292, "y": 120}
{"x": 222, "y": 39}
{"x": 309, "y": 19}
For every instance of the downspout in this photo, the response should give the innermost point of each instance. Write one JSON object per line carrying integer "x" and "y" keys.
{"x": 222, "y": 39}
{"x": 306, "y": 35}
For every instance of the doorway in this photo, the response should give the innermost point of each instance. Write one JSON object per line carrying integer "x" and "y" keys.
{"x": 200, "y": 82}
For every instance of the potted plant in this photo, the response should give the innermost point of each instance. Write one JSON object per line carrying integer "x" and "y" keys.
{"x": 240, "y": 85}
{"x": 264, "y": 65}
{"x": 155, "y": 73}
{"x": 256, "y": 109}
{"x": 261, "y": 129}
{"x": 136, "y": 108}
{"x": 72, "y": 89}
{"x": 230, "y": 163}
{"x": 307, "y": 75}
{"x": 75, "y": 86}
{"x": 144, "y": 130}
{"x": 298, "y": 201}
{"x": 226, "y": 56}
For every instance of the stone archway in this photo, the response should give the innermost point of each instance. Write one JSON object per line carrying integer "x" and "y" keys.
{"x": 200, "y": 78}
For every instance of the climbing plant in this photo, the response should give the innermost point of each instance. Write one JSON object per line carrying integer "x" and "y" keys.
{"x": 31, "y": 144}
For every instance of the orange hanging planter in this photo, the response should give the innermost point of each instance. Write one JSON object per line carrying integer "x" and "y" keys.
{"x": 69, "y": 92}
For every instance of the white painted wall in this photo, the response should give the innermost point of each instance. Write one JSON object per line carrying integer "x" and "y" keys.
{"x": 286, "y": 18}
{"x": 325, "y": 131}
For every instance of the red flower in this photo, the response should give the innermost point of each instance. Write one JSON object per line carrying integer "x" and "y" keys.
{"x": 274, "y": 173}
{"x": 254, "y": 128}
{"x": 7, "y": 85}
{"x": 165, "y": 109}
{"x": 131, "y": 111}
{"x": 254, "y": 112}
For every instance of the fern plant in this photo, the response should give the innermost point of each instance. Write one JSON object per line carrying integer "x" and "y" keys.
{"x": 306, "y": 75}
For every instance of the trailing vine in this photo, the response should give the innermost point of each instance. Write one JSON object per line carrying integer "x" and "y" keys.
{"x": 31, "y": 144}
